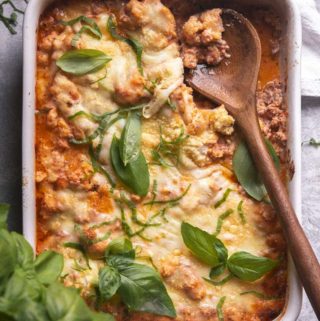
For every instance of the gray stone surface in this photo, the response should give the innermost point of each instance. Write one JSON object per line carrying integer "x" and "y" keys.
{"x": 10, "y": 147}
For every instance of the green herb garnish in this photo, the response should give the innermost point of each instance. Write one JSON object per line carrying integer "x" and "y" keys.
{"x": 10, "y": 21}
{"x": 219, "y": 308}
{"x": 89, "y": 26}
{"x": 260, "y": 295}
{"x": 82, "y": 61}
{"x": 241, "y": 213}
{"x": 134, "y": 44}
{"x": 29, "y": 287}
{"x": 223, "y": 199}
{"x": 170, "y": 201}
{"x": 135, "y": 175}
{"x": 246, "y": 172}
{"x": 139, "y": 286}
{"x": 168, "y": 149}
{"x": 221, "y": 218}
{"x": 312, "y": 142}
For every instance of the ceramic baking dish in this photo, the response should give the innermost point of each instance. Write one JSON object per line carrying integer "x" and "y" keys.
{"x": 290, "y": 69}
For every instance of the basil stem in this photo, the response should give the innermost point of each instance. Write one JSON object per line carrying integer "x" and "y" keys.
{"x": 241, "y": 213}
{"x": 173, "y": 200}
{"x": 223, "y": 199}
{"x": 134, "y": 44}
{"x": 11, "y": 21}
{"x": 260, "y": 295}
{"x": 91, "y": 27}
{"x": 219, "y": 308}
{"x": 221, "y": 218}
{"x": 221, "y": 282}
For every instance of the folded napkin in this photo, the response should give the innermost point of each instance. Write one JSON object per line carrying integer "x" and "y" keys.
{"x": 310, "y": 14}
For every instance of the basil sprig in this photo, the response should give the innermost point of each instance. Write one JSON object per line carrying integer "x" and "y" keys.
{"x": 89, "y": 26}
{"x": 210, "y": 250}
{"x": 82, "y": 61}
{"x": 130, "y": 139}
{"x": 134, "y": 44}
{"x": 139, "y": 286}
{"x": 249, "y": 267}
{"x": 135, "y": 175}
{"x": 247, "y": 173}
{"x": 29, "y": 287}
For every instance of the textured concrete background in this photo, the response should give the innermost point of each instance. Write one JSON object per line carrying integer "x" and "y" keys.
{"x": 10, "y": 146}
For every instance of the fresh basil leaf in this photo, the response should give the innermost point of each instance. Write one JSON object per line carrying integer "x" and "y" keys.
{"x": 135, "y": 175}
{"x": 130, "y": 139}
{"x": 122, "y": 247}
{"x": 246, "y": 172}
{"x": 217, "y": 271}
{"x": 109, "y": 282}
{"x": 8, "y": 254}
{"x": 134, "y": 44}
{"x": 25, "y": 255}
{"x": 4, "y": 212}
{"x": 82, "y": 61}
{"x": 142, "y": 290}
{"x": 30, "y": 310}
{"x": 119, "y": 261}
{"x": 48, "y": 266}
{"x": 65, "y": 304}
{"x": 248, "y": 267}
{"x": 206, "y": 247}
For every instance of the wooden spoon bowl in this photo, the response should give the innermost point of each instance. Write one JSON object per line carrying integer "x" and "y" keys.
{"x": 233, "y": 83}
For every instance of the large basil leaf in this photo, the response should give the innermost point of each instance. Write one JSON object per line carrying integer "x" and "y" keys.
{"x": 4, "y": 212}
{"x": 135, "y": 175}
{"x": 48, "y": 266}
{"x": 120, "y": 247}
{"x": 206, "y": 247}
{"x": 248, "y": 267}
{"x": 65, "y": 304}
{"x": 109, "y": 282}
{"x": 130, "y": 139}
{"x": 142, "y": 290}
{"x": 8, "y": 254}
{"x": 25, "y": 253}
{"x": 82, "y": 61}
{"x": 247, "y": 173}
{"x": 30, "y": 310}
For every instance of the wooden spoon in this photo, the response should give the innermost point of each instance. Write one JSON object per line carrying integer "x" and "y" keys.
{"x": 233, "y": 83}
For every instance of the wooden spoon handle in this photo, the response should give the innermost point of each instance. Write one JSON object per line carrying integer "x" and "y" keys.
{"x": 304, "y": 258}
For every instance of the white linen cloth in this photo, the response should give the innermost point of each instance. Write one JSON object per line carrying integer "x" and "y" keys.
{"x": 310, "y": 15}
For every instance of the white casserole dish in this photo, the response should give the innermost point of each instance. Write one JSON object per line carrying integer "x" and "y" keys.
{"x": 290, "y": 69}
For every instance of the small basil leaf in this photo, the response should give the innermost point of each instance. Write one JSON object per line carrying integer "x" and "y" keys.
{"x": 25, "y": 253}
{"x": 204, "y": 246}
{"x": 65, "y": 304}
{"x": 130, "y": 139}
{"x": 246, "y": 172}
{"x": 82, "y": 61}
{"x": 248, "y": 267}
{"x": 217, "y": 271}
{"x": 142, "y": 290}
{"x": 122, "y": 247}
{"x": 109, "y": 282}
{"x": 135, "y": 175}
{"x": 48, "y": 266}
{"x": 8, "y": 254}
{"x": 4, "y": 212}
